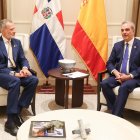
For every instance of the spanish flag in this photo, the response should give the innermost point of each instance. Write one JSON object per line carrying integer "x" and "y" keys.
{"x": 90, "y": 38}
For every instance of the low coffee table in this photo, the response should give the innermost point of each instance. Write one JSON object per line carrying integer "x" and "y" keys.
{"x": 103, "y": 126}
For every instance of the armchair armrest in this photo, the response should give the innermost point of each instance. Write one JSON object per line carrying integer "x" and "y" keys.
{"x": 33, "y": 100}
{"x": 100, "y": 75}
{"x": 99, "y": 80}
{"x": 33, "y": 72}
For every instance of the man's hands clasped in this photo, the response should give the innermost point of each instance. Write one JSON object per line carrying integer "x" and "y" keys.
{"x": 23, "y": 73}
{"x": 121, "y": 77}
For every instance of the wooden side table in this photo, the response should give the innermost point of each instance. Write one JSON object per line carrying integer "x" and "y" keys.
{"x": 62, "y": 87}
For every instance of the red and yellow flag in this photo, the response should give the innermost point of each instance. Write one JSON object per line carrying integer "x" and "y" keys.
{"x": 90, "y": 38}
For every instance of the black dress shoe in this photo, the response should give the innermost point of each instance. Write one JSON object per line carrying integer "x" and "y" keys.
{"x": 11, "y": 128}
{"x": 18, "y": 121}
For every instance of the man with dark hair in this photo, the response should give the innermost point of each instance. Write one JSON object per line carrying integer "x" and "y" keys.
{"x": 14, "y": 72}
{"x": 124, "y": 68}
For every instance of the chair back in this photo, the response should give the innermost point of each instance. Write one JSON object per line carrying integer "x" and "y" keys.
{"x": 24, "y": 38}
{"x": 118, "y": 38}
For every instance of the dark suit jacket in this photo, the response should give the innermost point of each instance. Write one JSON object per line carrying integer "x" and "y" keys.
{"x": 18, "y": 56}
{"x": 115, "y": 59}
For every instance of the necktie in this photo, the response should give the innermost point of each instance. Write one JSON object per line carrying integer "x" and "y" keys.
{"x": 10, "y": 55}
{"x": 125, "y": 59}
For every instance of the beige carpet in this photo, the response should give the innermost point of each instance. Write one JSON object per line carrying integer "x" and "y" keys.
{"x": 45, "y": 102}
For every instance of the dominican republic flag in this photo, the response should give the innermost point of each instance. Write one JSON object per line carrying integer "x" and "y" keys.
{"x": 90, "y": 37}
{"x": 47, "y": 39}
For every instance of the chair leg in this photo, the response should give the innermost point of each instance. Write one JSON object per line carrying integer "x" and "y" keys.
{"x": 33, "y": 105}
{"x": 98, "y": 107}
{"x": 33, "y": 109}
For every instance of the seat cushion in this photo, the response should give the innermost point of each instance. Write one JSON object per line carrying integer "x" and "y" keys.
{"x": 135, "y": 94}
{"x": 3, "y": 96}
{"x": 3, "y": 91}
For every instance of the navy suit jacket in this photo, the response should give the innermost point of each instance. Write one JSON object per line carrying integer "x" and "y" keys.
{"x": 115, "y": 59}
{"x": 18, "y": 56}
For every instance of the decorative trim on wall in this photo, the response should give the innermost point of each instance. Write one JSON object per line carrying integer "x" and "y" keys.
{"x": 22, "y": 22}
{"x": 65, "y": 23}
{"x": 69, "y": 37}
{"x": 129, "y": 8}
{"x": 109, "y": 24}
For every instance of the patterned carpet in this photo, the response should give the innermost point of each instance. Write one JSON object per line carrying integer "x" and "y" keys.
{"x": 50, "y": 89}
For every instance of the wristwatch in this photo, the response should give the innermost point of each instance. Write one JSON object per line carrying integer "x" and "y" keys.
{"x": 12, "y": 73}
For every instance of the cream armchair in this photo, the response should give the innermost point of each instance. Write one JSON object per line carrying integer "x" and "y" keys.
{"x": 24, "y": 38}
{"x": 133, "y": 101}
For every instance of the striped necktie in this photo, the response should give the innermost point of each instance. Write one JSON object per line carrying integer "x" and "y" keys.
{"x": 10, "y": 55}
{"x": 125, "y": 59}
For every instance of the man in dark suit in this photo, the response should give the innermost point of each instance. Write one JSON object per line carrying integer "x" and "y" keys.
{"x": 14, "y": 72}
{"x": 124, "y": 68}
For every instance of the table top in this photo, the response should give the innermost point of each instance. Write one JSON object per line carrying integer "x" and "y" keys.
{"x": 57, "y": 73}
{"x": 103, "y": 126}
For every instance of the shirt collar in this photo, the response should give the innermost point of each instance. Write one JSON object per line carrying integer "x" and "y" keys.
{"x": 130, "y": 42}
{"x": 5, "y": 40}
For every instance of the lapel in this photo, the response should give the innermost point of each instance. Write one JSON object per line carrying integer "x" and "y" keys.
{"x": 14, "y": 49}
{"x": 133, "y": 51}
{"x": 4, "y": 51}
{"x": 3, "y": 48}
{"x": 121, "y": 51}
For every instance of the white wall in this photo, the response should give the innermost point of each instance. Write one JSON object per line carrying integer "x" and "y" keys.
{"x": 20, "y": 11}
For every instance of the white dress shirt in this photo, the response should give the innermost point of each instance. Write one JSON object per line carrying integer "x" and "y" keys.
{"x": 7, "y": 42}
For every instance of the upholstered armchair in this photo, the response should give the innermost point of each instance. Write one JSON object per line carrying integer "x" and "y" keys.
{"x": 133, "y": 101}
{"x": 24, "y": 38}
